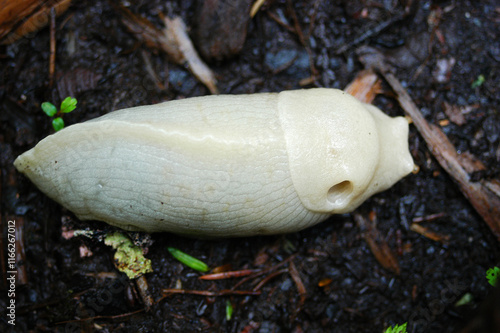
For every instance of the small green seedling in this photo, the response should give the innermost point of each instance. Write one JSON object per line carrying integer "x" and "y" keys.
{"x": 187, "y": 260}
{"x": 493, "y": 276}
{"x": 397, "y": 329}
{"x": 479, "y": 82}
{"x": 68, "y": 105}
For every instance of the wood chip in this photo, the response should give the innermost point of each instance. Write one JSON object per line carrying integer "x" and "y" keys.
{"x": 142, "y": 286}
{"x": 324, "y": 282}
{"x": 365, "y": 86}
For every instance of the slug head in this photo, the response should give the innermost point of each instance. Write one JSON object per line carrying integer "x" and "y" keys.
{"x": 341, "y": 151}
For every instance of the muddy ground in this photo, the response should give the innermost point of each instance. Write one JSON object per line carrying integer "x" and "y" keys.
{"x": 446, "y": 53}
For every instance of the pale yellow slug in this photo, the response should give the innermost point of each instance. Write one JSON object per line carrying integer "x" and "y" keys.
{"x": 223, "y": 166}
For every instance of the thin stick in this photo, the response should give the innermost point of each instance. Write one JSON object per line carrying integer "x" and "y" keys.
{"x": 302, "y": 39}
{"x": 52, "y": 59}
{"x": 255, "y": 7}
{"x": 101, "y": 317}
{"x": 211, "y": 293}
{"x": 294, "y": 273}
{"x": 268, "y": 278}
{"x": 227, "y": 275}
{"x": 264, "y": 271}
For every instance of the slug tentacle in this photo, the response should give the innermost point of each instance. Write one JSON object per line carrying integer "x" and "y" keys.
{"x": 223, "y": 166}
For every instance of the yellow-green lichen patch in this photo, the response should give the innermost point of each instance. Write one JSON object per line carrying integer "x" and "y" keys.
{"x": 129, "y": 258}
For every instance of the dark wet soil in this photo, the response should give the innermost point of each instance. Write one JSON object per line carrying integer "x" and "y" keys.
{"x": 439, "y": 48}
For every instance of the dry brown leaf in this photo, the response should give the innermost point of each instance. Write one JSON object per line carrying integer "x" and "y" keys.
{"x": 19, "y": 18}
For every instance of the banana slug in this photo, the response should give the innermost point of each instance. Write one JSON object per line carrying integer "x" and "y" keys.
{"x": 223, "y": 166}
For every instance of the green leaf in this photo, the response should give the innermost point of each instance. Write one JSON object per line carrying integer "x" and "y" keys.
{"x": 493, "y": 276}
{"x": 68, "y": 105}
{"x": 229, "y": 310}
{"x": 187, "y": 260}
{"x": 58, "y": 124}
{"x": 397, "y": 329}
{"x": 49, "y": 109}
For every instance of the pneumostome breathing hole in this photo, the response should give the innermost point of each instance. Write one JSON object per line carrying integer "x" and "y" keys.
{"x": 339, "y": 194}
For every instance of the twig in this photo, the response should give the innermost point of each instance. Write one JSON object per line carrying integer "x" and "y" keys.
{"x": 294, "y": 273}
{"x": 429, "y": 233}
{"x": 268, "y": 278}
{"x": 52, "y": 60}
{"x": 486, "y": 203}
{"x": 370, "y": 33}
{"x": 224, "y": 292}
{"x": 280, "y": 21}
{"x": 312, "y": 18}
{"x": 227, "y": 275}
{"x": 151, "y": 71}
{"x": 255, "y": 7}
{"x": 428, "y": 217}
{"x": 302, "y": 39}
{"x": 101, "y": 317}
{"x": 267, "y": 270}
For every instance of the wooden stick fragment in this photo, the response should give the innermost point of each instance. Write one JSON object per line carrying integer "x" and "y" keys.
{"x": 486, "y": 203}
{"x": 227, "y": 275}
{"x": 255, "y": 7}
{"x": 52, "y": 59}
{"x": 365, "y": 86}
{"x": 224, "y": 292}
{"x": 429, "y": 233}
